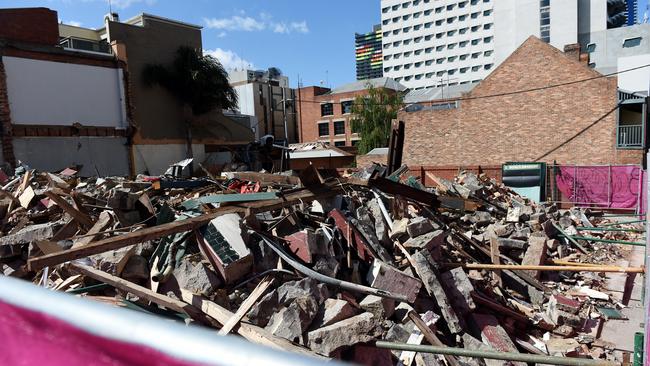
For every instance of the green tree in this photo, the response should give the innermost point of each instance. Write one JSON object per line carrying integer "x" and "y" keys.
{"x": 372, "y": 115}
{"x": 199, "y": 83}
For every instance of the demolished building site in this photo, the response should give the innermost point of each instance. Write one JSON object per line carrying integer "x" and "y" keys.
{"x": 361, "y": 265}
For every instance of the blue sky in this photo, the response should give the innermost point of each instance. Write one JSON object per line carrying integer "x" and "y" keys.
{"x": 313, "y": 39}
{"x": 310, "y": 38}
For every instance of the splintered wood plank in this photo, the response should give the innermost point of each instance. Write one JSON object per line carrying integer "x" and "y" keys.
{"x": 259, "y": 290}
{"x": 83, "y": 219}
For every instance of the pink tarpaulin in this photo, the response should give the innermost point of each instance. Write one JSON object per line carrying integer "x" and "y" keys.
{"x": 603, "y": 186}
{"x": 32, "y": 338}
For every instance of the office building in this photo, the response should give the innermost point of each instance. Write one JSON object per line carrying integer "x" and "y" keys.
{"x": 368, "y": 54}
{"x": 428, "y": 43}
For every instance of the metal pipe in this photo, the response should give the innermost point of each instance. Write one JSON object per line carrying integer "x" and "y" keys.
{"x": 623, "y": 223}
{"x": 326, "y": 279}
{"x": 575, "y": 243}
{"x": 610, "y": 229}
{"x": 577, "y": 268}
{"x": 611, "y": 241}
{"x": 506, "y": 356}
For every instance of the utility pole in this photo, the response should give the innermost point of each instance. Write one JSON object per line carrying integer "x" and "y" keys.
{"x": 284, "y": 115}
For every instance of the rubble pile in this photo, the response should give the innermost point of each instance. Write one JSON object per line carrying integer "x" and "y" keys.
{"x": 320, "y": 265}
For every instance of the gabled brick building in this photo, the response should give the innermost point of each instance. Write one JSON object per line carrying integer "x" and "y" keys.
{"x": 577, "y": 123}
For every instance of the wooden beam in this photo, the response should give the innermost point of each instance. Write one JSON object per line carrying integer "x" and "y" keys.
{"x": 160, "y": 231}
{"x": 95, "y": 232}
{"x": 140, "y": 291}
{"x": 251, "y": 332}
{"x": 430, "y": 336}
{"x": 83, "y": 219}
{"x": 494, "y": 257}
{"x": 259, "y": 290}
{"x": 580, "y": 268}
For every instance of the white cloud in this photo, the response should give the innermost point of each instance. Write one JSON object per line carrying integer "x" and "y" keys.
{"x": 300, "y": 27}
{"x": 250, "y": 24}
{"x": 73, "y": 23}
{"x": 235, "y": 23}
{"x": 123, "y": 4}
{"x": 280, "y": 28}
{"x": 229, "y": 59}
{"x": 221, "y": 34}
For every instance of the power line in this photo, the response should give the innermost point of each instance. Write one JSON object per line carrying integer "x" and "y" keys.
{"x": 500, "y": 94}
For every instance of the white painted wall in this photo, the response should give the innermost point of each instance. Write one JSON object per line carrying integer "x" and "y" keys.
{"x": 55, "y": 93}
{"x": 106, "y": 155}
{"x": 592, "y": 15}
{"x": 564, "y": 23}
{"x": 636, "y": 80}
{"x": 246, "y": 99}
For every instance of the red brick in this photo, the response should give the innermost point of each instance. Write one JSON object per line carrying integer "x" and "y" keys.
{"x": 523, "y": 126}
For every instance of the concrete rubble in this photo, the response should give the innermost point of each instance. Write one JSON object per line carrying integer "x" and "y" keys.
{"x": 323, "y": 263}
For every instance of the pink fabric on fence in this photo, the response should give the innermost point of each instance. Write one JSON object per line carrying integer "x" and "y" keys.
{"x": 595, "y": 185}
{"x": 32, "y": 338}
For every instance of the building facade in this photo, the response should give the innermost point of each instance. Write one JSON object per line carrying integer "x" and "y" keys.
{"x": 368, "y": 54}
{"x": 269, "y": 100}
{"x": 587, "y": 122}
{"x": 160, "y": 132}
{"x": 325, "y": 115}
{"x": 449, "y": 42}
{"x": 60, "y": 107}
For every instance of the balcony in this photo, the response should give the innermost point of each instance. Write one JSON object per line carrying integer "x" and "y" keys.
{"x": 629, "y": 136}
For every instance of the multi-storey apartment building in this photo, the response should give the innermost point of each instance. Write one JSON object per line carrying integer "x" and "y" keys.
{"x": 429, "y": 43}
{"x": 368, "y": 54}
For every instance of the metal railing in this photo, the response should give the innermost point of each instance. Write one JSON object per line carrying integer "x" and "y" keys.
{"x": 629, "y": 136}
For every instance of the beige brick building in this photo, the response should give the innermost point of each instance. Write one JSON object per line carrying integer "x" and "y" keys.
{"x": 495, "y": 123}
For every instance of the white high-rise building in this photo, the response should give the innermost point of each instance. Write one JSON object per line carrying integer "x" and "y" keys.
{"x": 429, "y": 43}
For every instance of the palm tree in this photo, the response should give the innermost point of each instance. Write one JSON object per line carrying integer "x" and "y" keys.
{"x": 199, "y": 83}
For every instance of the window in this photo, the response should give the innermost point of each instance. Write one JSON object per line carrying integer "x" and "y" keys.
{"x": 427, "y": 12}
{"x": 385, "y": 10}
{"x": 346, "y": 106}
{"x": 387, "y": 69}
{"x": 632, "y": 42}
{"x": 487, "y": 26}
{"x": 427, "y": 38}
{"x": 407, "y": 66}
{"x": 439, "y": 35}
{"x": 385, "y": 21}
{"x": 417, "y": 52}
{"x": 417, "y": 27}
{"x": 395, "y": 31}
{"x": 439, "y": 9}
{"x": 451, "y": 33}
{"x": 428, "y": 62}
{"x": 451, "y": 20}
{"x": 395, "y": 20}
{"x": 462, "y": 30}
{"x": 451, "y": 46}
{"x": 339, "y": 143}
{"x": 451, "y": 58}
{"x": 487, "y": 53}
{"x": 475, "y": 68}
{"x": 487, "y": 12}
{"x": 462, "y": 17}
{"x": 476, "y": 54}
{"x": 428, "y": 75}
{"x": 417, "y": 15}
{"x": 339, "y": 127}
{"x": 406, "y": 17}
{"x": 450, "y": 6}
{"x": 406, "y": 4}
{"x": 591, "y": 47}
{"x": 463, "y": 57}
{"x": 417, "y": 39}
{"x": 488, "y": 66}
{"x": 418, "y": 64}
{"x": 440, "y": 48}
{"x": 395, "y": 7}
{"x": 428, "y": 24}
{"x": 387, "y": 57}
{"x": 487, "y": 39}
{"x": 323, "y": 129}
{"x": 407, "y": 53}
{"x": 326, "y": 109}
{"x": 418, "y": 76}
{"x": 407, "y": 41}
{"x": 475, "y": 28}
{"x": 355, "y": 142}
{"x": 451, "y": 72}
{"x": 439, "y": 21}
{"x": 462, "y": 4}
{"x": 475, "y": 15}
{"x": 463, "y": 43}
{"x": 386, "y": 34}
{"x": 440, "y": 60}
{"x": 406, "y": 29}
{"x": 428, "y": 49}
{"x": 463, "y": 70}
{"x": 475, "y": 41}
{"x": 407, "y": 78}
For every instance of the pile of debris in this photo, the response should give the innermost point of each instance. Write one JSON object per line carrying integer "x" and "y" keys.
{"x": 333, "y": 267}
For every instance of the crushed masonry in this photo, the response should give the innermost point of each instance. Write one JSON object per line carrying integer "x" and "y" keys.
{"x": 326, "y": 263}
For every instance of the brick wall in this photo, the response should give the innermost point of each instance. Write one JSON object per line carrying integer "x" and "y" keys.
{"x": 565, "y": 123}
{"x": 32, "y": 25}
{"x": 309, "y": 111}
{"x": 5, "y": 120}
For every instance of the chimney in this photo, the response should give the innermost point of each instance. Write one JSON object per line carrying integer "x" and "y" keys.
{"x": 573, "y": 51}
